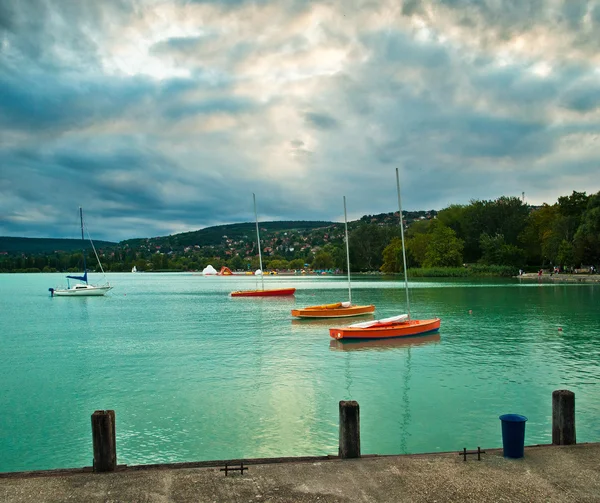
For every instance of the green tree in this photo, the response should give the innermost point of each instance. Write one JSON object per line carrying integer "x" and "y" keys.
{"x": 587, "y": 237}
{"x": 453, "y": 216}
{"x": 505, "y": 215}
{"x": 338, "y": 254}
{"x": 322, "y": 260}
{"x": 157, "y": 261}
{"x": 537, "y": 235}
{"x": 496, "y": 252}
{"x": 491, "y": 248}
{"x": 236, "y": 263}
{"x": 297, "y": 263}
{"x": 366, "y": 246}
{"x": 566, "y": 255}
{"x": 573, "y": 205}
{"x": 278, "y": 264}
{"x": 416, "y": 249}
{"x": 444, "y": 249}
{"x": 392, "y": 257}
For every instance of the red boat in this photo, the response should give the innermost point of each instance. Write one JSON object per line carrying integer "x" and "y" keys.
{"x": 270, "y": 292}
{"x": 273, "y": 292}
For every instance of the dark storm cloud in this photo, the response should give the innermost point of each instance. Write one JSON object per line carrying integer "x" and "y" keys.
{"x": 36, "y": 101}
{"x": 55, "y": 35}
{"x": 321, "y": 121}
{"x": 6, "y": 17}
{"x": 583, "y": 98}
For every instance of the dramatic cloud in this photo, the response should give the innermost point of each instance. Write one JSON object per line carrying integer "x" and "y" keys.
{"x": 164, "y": 116}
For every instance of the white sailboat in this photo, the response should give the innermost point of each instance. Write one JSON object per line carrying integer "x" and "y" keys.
{"x": 83, "y": 289}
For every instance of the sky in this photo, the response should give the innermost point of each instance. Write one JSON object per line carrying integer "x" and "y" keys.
{"x": 160, "y": 117}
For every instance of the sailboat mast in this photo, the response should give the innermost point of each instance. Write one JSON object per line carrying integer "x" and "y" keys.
{"x": 262, "y": 279}
{"x": 403, "y": 250}
{"x": 82, "y": 241}
{"x": 81, "y": 220}
{"x": 347, "y": 253}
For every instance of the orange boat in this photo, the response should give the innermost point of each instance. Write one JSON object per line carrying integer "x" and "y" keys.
{"x": 337, "y": 310}
{"x": 397, "y": 326}
{"x": 273, "y": 292}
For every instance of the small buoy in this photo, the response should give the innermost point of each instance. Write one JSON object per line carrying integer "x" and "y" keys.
{"x": 560, "y": 329}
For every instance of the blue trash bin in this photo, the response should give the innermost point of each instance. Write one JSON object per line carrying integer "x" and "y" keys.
{"x": 513, "y": 435}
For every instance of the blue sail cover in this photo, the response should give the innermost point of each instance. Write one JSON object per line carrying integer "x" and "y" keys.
{"x": 80, "y": 278}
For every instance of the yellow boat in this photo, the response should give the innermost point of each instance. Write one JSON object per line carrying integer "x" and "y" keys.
{"x": 338, "y": 309}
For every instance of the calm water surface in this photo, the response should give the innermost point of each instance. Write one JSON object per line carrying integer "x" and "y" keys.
{"x": 196, "y": 375}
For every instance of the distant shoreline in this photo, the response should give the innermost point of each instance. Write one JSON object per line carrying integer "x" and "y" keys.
{"x": 529, "y": 276}
{"x": 562, "y": 277}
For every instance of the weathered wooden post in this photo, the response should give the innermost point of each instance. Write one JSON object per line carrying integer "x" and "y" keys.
{"x": 563, "y": 417}
{"x": 104, "y": 439}
{"x": 349, "y": 430}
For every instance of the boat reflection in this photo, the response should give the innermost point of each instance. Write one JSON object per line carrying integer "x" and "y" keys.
{"x": 383, "y": 344}
{"x": 331, "y": 322}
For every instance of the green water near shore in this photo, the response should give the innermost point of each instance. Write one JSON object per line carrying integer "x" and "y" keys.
{"x": 195, "y": 375}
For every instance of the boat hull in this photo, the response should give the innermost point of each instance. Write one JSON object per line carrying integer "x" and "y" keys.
{"x": 92, "y": 291}
{"x": 336, "y": 312}
{"x": 408, "y": 328}
{"x": 273, "y": 292}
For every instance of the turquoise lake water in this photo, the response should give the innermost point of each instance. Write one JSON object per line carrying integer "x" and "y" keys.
{"x": 194, "y": 374}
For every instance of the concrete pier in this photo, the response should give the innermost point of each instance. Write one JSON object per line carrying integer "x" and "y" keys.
{"x": 546, "y": 473}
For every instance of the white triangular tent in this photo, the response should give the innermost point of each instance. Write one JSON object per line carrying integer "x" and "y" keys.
{"x": 209, "y": 269}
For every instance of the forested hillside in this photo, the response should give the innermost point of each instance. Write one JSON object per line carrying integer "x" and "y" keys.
{"x": 12, "y": 245}
{"x": 214, "y": 235}
{"x": 504, "y": 233}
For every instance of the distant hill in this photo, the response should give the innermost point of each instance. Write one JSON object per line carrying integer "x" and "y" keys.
{"x": 44, "y": 246}
{"x": 214, "y": 235}
{"x": 209, "y": 236}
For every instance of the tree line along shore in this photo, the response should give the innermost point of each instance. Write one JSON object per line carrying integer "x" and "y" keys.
{"x": 483, "y": 238}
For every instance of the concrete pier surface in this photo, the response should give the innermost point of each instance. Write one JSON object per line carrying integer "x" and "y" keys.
{"x": 546, "y": 473}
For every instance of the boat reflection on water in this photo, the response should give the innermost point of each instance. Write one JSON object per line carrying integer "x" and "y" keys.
{"x": 329, "y": 322}
{"x": 382, "y": 344}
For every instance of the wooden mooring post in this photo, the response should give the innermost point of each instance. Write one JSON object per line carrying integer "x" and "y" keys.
{"x": 563, "y": 417}
{"x": 349, "y": 430}
{"x": 104, "y": 440}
